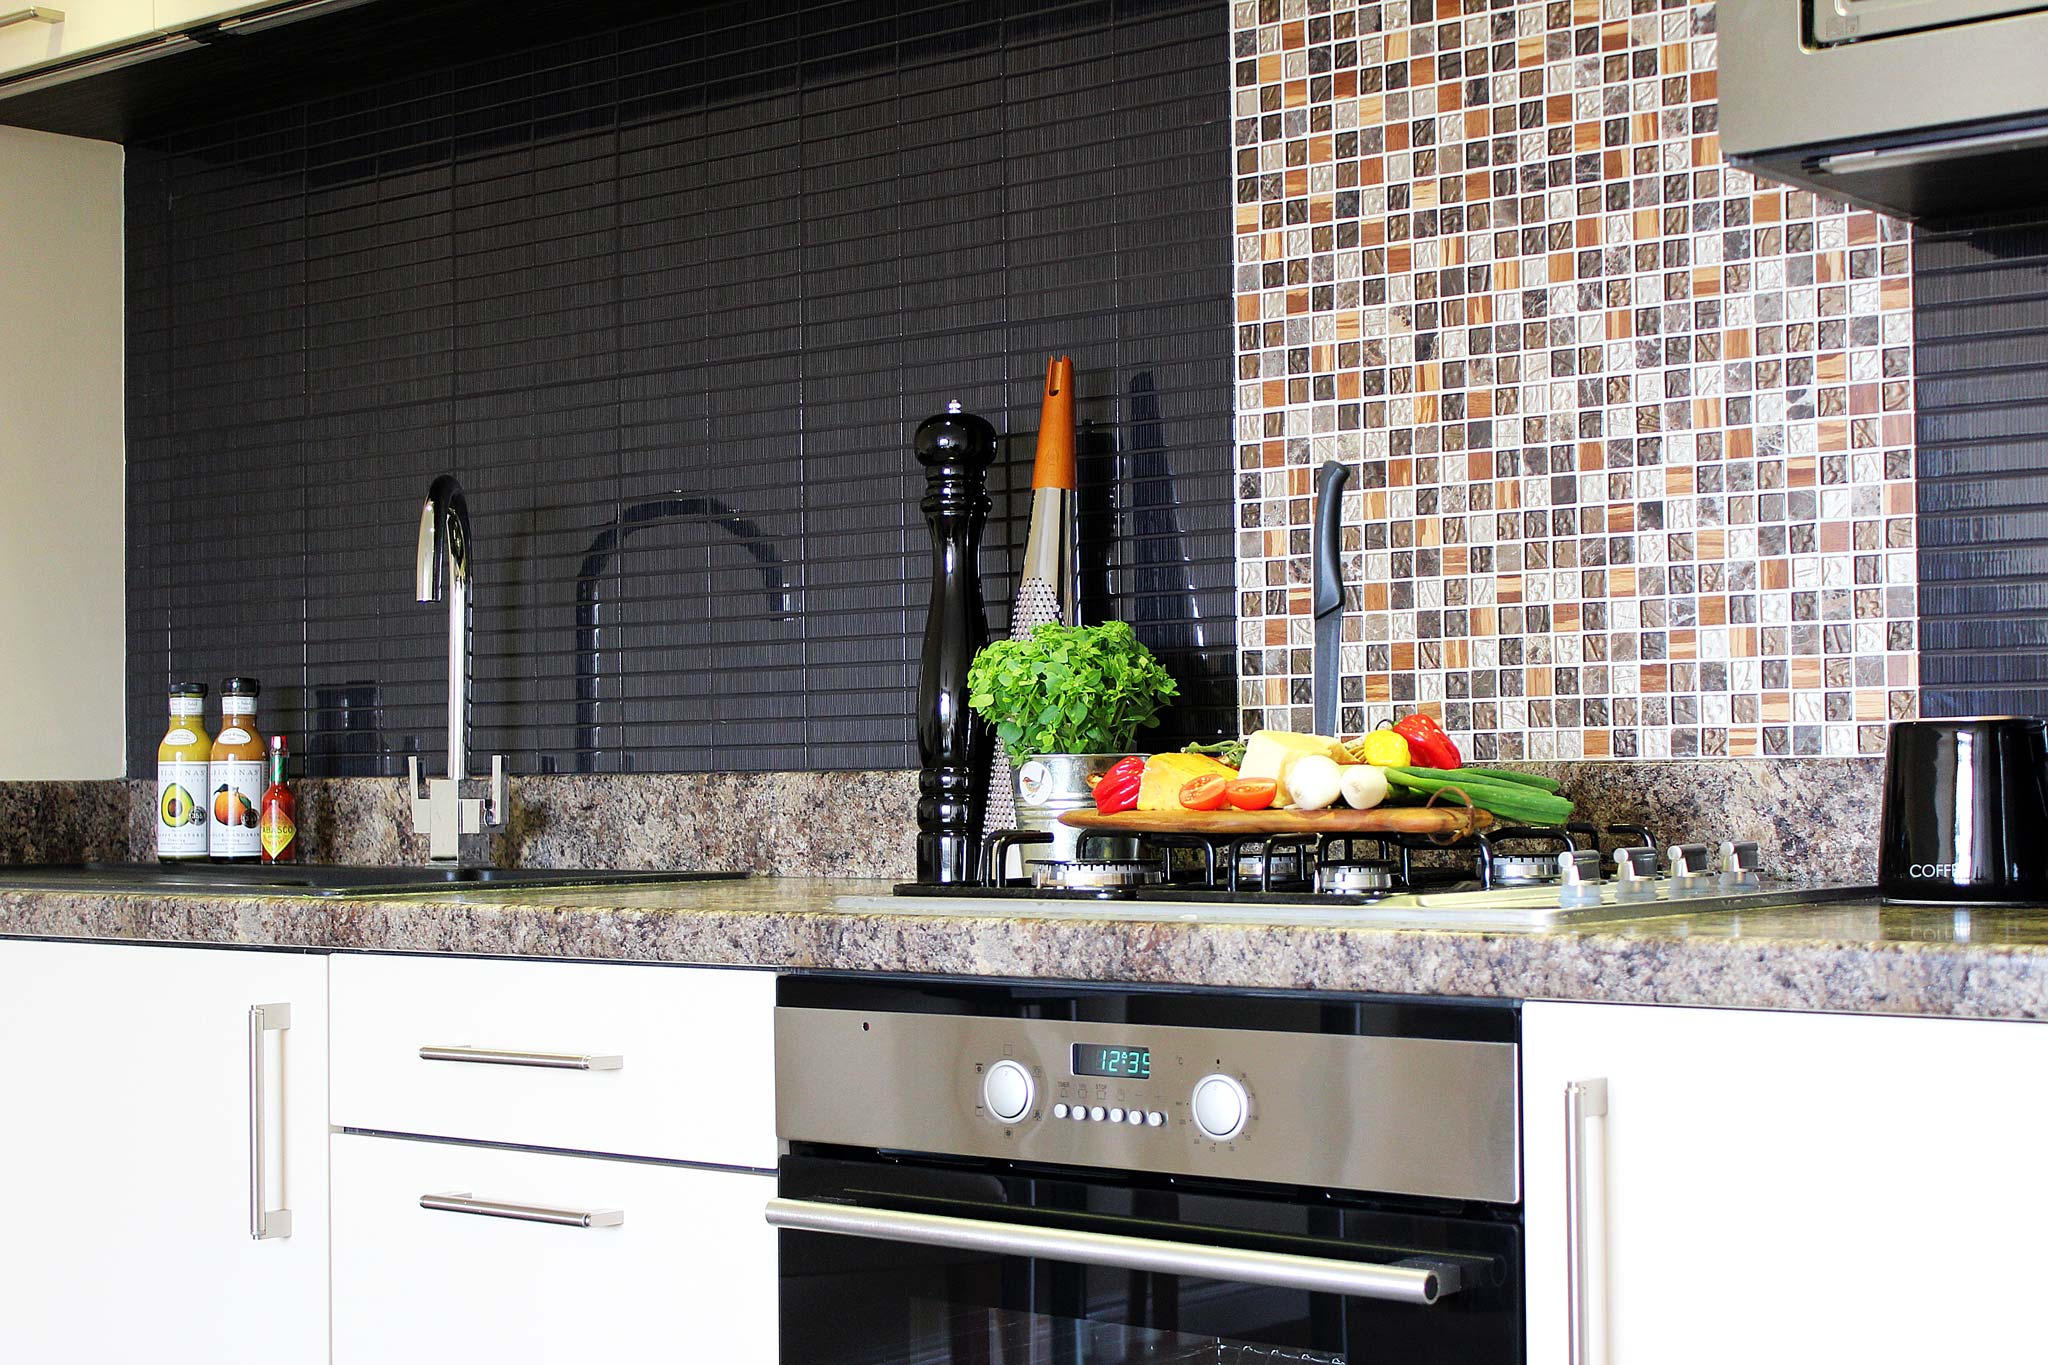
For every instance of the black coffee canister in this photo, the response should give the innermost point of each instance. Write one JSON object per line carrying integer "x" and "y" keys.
{"x": 1966, "y": 812}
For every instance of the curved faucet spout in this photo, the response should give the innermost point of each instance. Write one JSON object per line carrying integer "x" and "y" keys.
{"x": 443, "y": 556}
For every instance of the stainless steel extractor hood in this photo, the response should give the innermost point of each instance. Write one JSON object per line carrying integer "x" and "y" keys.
{"x": 1928, "y": 109}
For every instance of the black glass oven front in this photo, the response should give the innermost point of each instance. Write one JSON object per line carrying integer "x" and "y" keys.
{"x": 855, "y": 1300}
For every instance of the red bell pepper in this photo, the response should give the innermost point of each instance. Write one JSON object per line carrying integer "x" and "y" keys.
{"x": 1118, "y": 789}
{"x": 1427, "y": 742}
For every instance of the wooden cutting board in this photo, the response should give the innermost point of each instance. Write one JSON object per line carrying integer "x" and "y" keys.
{"x": 1437, "y": 820}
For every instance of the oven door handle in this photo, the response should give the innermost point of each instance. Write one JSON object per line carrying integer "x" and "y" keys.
{"x": 1418, "y": 1280}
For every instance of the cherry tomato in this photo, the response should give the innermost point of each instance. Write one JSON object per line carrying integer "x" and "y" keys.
{"x": 1251, "y": 793}
{"x": 1204, "y": 793}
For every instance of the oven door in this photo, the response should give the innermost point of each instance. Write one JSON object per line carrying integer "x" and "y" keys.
{"x": 892, "y": 1263}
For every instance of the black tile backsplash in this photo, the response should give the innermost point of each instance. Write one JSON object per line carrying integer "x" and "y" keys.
{"x": 669, "y": 298}
{"x": 1980, "y": 316}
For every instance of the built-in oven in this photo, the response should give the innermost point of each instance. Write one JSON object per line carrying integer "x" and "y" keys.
{"x": 982, "y": 1174}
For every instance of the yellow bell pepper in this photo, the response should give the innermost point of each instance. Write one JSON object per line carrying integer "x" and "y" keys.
{"x": 1385, "y": 749}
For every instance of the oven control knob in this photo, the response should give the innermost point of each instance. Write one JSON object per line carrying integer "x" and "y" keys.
{"x": 1006, "y": 1090}
{"x": 1220, "y": 1107}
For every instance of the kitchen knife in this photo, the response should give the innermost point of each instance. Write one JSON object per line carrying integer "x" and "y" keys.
{"x": 1327, "y": 592}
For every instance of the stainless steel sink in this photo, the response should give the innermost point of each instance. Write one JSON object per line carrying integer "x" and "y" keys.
{"x": 231, "y": 879}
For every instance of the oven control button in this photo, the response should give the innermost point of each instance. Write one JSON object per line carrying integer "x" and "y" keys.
{"x": 1006, "y": 1090}
{"x": 1136, "y": 1117}
{"x": 1059, "y": 1111}
{"x": 1155, "y": 1119}
{"x": 1079, "y": 1113}
{"x": 1097, "y": 1114}
{"x": 1116, "y": 1115}
{"x": 1220, "y": 1107}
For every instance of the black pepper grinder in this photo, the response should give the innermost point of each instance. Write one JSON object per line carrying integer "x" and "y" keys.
{"x": 953, "y": 743}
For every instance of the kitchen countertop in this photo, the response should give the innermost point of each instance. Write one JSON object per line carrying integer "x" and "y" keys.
{"x": 1844, "y": 956}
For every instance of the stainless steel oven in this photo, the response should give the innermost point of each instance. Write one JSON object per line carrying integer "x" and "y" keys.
{"x": 984, "y": 1174}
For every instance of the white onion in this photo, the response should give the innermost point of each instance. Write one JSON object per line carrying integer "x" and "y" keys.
{"x": 1362, "y": 785}
{"x": 1313, "y": 782}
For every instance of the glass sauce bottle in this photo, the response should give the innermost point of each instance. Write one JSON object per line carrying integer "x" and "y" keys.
{"x": 276, "y": 829}
{"x": 181, "y": 777}
{"x": 234, "y": 780}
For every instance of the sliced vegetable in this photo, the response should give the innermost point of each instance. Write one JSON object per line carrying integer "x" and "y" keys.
{"x": 1205, "y": 793}
{"x": 1362, "y": 786}
{"x": 1515, "y": 801}
{"x": 1251, "y": 793}
{"x": 1118, "y": 789}
{"x": 1166, "y": 774}
{"x": 1230, "y": 751}
{"x": 1313, "y": 782}
{"x": 1387, "y": 749}
{"x": 1427, "y": 742}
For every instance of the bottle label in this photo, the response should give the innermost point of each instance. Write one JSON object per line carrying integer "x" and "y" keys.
{"x": 180, "y": 816}
{"x": 234, "y": 734}
{"x": 277, "y": 831}
{"x": 234, "y": 796}
{"x": 186, "y": 706}
{"x": 180, "y": 737}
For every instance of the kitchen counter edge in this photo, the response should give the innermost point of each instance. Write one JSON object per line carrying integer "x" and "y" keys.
{"x": 1844, "y": 957}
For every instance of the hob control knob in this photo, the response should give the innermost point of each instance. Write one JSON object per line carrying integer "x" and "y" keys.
{"x": 1220, "y": 1107}
{"x": 1006, "y": 1090}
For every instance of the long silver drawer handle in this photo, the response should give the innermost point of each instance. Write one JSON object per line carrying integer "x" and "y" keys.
{"x": 1582, "y": 1100}
{"x": 264, "y": 1223}
{"x": 498, "y": 1056}
{"x": 34, "y": 14}
{"x": 1419, "y": 1281}
{"x": 525, "y": 1213}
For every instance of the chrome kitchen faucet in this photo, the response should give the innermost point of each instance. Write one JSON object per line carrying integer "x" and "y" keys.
{"x": 442, "y": 566}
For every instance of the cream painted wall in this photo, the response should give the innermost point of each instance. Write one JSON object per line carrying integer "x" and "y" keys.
{"x": 62, "y": 458}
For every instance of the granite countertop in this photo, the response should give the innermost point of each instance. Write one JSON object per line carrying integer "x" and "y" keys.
{"x": 1846, "y": 956}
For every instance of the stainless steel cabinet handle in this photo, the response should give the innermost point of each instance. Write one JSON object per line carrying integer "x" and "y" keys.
{"x": 525, "y": 1213}
{"x": 498, "y": 1056}
{"x": 1419, "y": 1280}
{"x": 1582, "y": 1100}
{"x": 34, "y": 14}
{"x": 264, "y": 1223}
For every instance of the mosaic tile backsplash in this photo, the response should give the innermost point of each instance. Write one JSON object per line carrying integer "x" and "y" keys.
{"x": 1630, "y": 434}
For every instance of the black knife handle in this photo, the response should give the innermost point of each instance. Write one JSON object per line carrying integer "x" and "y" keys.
{"x": 1327, "y": 590}
{"x": 953, "y": 743}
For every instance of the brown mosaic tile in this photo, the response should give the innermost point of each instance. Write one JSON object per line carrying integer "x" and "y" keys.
{"x": 1630, "y": 433}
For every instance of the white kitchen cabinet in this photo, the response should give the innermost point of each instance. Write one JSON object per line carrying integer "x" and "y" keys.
{"x": 125, "y": 1162}
{"x": 86, "y": 26}
{"x": 174, "y": 16}
{"x": 677, "y": 1263}
{"x": 1790, "y": 1188}
{"x": 675, "y": 1063}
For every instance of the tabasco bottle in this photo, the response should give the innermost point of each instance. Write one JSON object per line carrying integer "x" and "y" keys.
{"x": 277, "y": 828}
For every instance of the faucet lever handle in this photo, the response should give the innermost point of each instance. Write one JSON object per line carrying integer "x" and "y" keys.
{"x": 497, "y": 810}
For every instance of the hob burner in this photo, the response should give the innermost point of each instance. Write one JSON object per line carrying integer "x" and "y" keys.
{"x": 1094, "y": 875}
{"x": 1523, "y": 869}
{"x": 1355, "y": 878}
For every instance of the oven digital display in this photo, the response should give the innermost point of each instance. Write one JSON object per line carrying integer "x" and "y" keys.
{"x": 1099, "y": 1059}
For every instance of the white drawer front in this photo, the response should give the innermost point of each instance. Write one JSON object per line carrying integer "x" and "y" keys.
{"x": 680, "y": 1060}
{"x": 687, "y": 1273}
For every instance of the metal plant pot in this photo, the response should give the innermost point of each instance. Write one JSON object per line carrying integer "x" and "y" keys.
{"x": 1050, "y": 785}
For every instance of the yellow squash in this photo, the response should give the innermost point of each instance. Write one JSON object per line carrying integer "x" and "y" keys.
{"x": 1166, "y": 774}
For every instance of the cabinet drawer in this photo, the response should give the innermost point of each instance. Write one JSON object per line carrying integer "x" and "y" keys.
{"x": 686, "y": 1273}
{"x": 667, "y": 1062}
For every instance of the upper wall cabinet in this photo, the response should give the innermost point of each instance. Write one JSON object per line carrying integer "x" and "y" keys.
{"x": 39, "y": 34}
{"x": 173, "y": 15}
